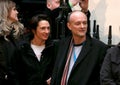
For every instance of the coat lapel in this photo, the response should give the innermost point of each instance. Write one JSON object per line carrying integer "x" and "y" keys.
{"x": 86, "y": 48}
{"x": 63, "y": 54}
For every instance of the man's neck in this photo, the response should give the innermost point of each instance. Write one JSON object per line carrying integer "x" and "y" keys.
{"x": 79, "y": 40}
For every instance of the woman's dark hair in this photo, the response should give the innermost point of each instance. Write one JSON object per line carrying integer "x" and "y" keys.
{"x": 36, "y": 19}
{"x": 34, "y": 23}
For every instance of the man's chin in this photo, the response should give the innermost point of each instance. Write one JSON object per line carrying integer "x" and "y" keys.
{"x": 82, "y": 35}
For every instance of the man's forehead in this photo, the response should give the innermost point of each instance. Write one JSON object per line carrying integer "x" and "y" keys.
{"x": 75, "y": 13}
{"x": 56, "y": 0}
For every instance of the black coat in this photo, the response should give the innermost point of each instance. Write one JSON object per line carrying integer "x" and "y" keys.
{"x": 87, "y": 66}
{"x": 7, "y": 49}
{"x": 53, "y": 14}
{"x": 3, "y": 62}
{"x": 30, "y": 71}
{"x": 110, "y": 71}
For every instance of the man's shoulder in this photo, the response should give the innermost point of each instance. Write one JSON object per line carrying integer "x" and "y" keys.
{"x": 97, "y": 42}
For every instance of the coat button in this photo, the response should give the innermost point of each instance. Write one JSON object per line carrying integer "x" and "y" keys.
{"x": 6, "y": 76}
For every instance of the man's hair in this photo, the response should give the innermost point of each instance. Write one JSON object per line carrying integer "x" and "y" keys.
{"x": 48, "y": 1}
{"x": 69, "y": 14}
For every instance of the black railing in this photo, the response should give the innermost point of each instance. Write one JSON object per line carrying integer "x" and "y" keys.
{"x": 61, "y": 20}
{"x": 110, "y": 36}
{"x": 96, "y": 33}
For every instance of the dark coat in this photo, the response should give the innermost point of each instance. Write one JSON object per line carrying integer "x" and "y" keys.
{"x": 110, "y": 71}
{"x": 3, "y": 62}
{"x": 29, "y": 70}
{"x": 53, "y": 14}
{"x": 87, "y": 66}
{"x": 7, "y": 49}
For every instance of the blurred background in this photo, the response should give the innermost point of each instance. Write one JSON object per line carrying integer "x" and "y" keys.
{"x": 28, "y": 8}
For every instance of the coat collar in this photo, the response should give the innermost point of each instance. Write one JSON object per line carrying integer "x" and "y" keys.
{"x": 63, "y": 51}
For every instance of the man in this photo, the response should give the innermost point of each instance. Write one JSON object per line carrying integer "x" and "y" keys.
{"x": 53, "y": 10}
{"x": 83, "y": 54}
{"x": 53, "y": 4}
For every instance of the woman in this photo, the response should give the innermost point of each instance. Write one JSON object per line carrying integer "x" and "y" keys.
{"x": 10, "y": 31}
{"x": 110, "y": 71}
{"x": 36, "y": 60}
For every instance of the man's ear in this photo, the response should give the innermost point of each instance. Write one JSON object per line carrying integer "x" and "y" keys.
{"x": 68, "y": 25}
{"x": 48, "y": 5}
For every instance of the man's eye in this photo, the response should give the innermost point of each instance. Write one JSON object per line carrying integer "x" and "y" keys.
{"x": 42, "y": 28}
{"x": 15, "y": 8}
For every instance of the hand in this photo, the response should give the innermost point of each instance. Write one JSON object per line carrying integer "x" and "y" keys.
{"x": 48, "y": 81}
{"x": 84, "y": 5}
{"x": 74, "y": 2}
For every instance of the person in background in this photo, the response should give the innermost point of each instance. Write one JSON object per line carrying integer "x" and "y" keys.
{"x": 53, "y": 10}
{"x": 36, "y": 57}
{"x": 79, "y": 56}
{"x": 10, "y": 32}
{"x": 110, "y": 71}
{"x": 53, "y": 4}
{"x": 81, "y": 5}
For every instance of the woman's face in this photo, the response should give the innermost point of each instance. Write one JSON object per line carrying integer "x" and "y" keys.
{"x": 13, "y": 16}
{"x": 43, "y": 30}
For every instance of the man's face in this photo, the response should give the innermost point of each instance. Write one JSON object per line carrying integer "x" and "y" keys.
{"x": 78, "y": 24}
{"x": 54, "y": 4}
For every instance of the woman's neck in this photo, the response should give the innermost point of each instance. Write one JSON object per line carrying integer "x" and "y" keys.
{"x": 37, "y": 42}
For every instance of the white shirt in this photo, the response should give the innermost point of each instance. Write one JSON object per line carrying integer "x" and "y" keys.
{"x": 75, "y": 53}
{"x": 37, "y": 50}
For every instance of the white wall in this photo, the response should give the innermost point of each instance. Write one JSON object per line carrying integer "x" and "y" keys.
{"x": 106, "y": 12}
